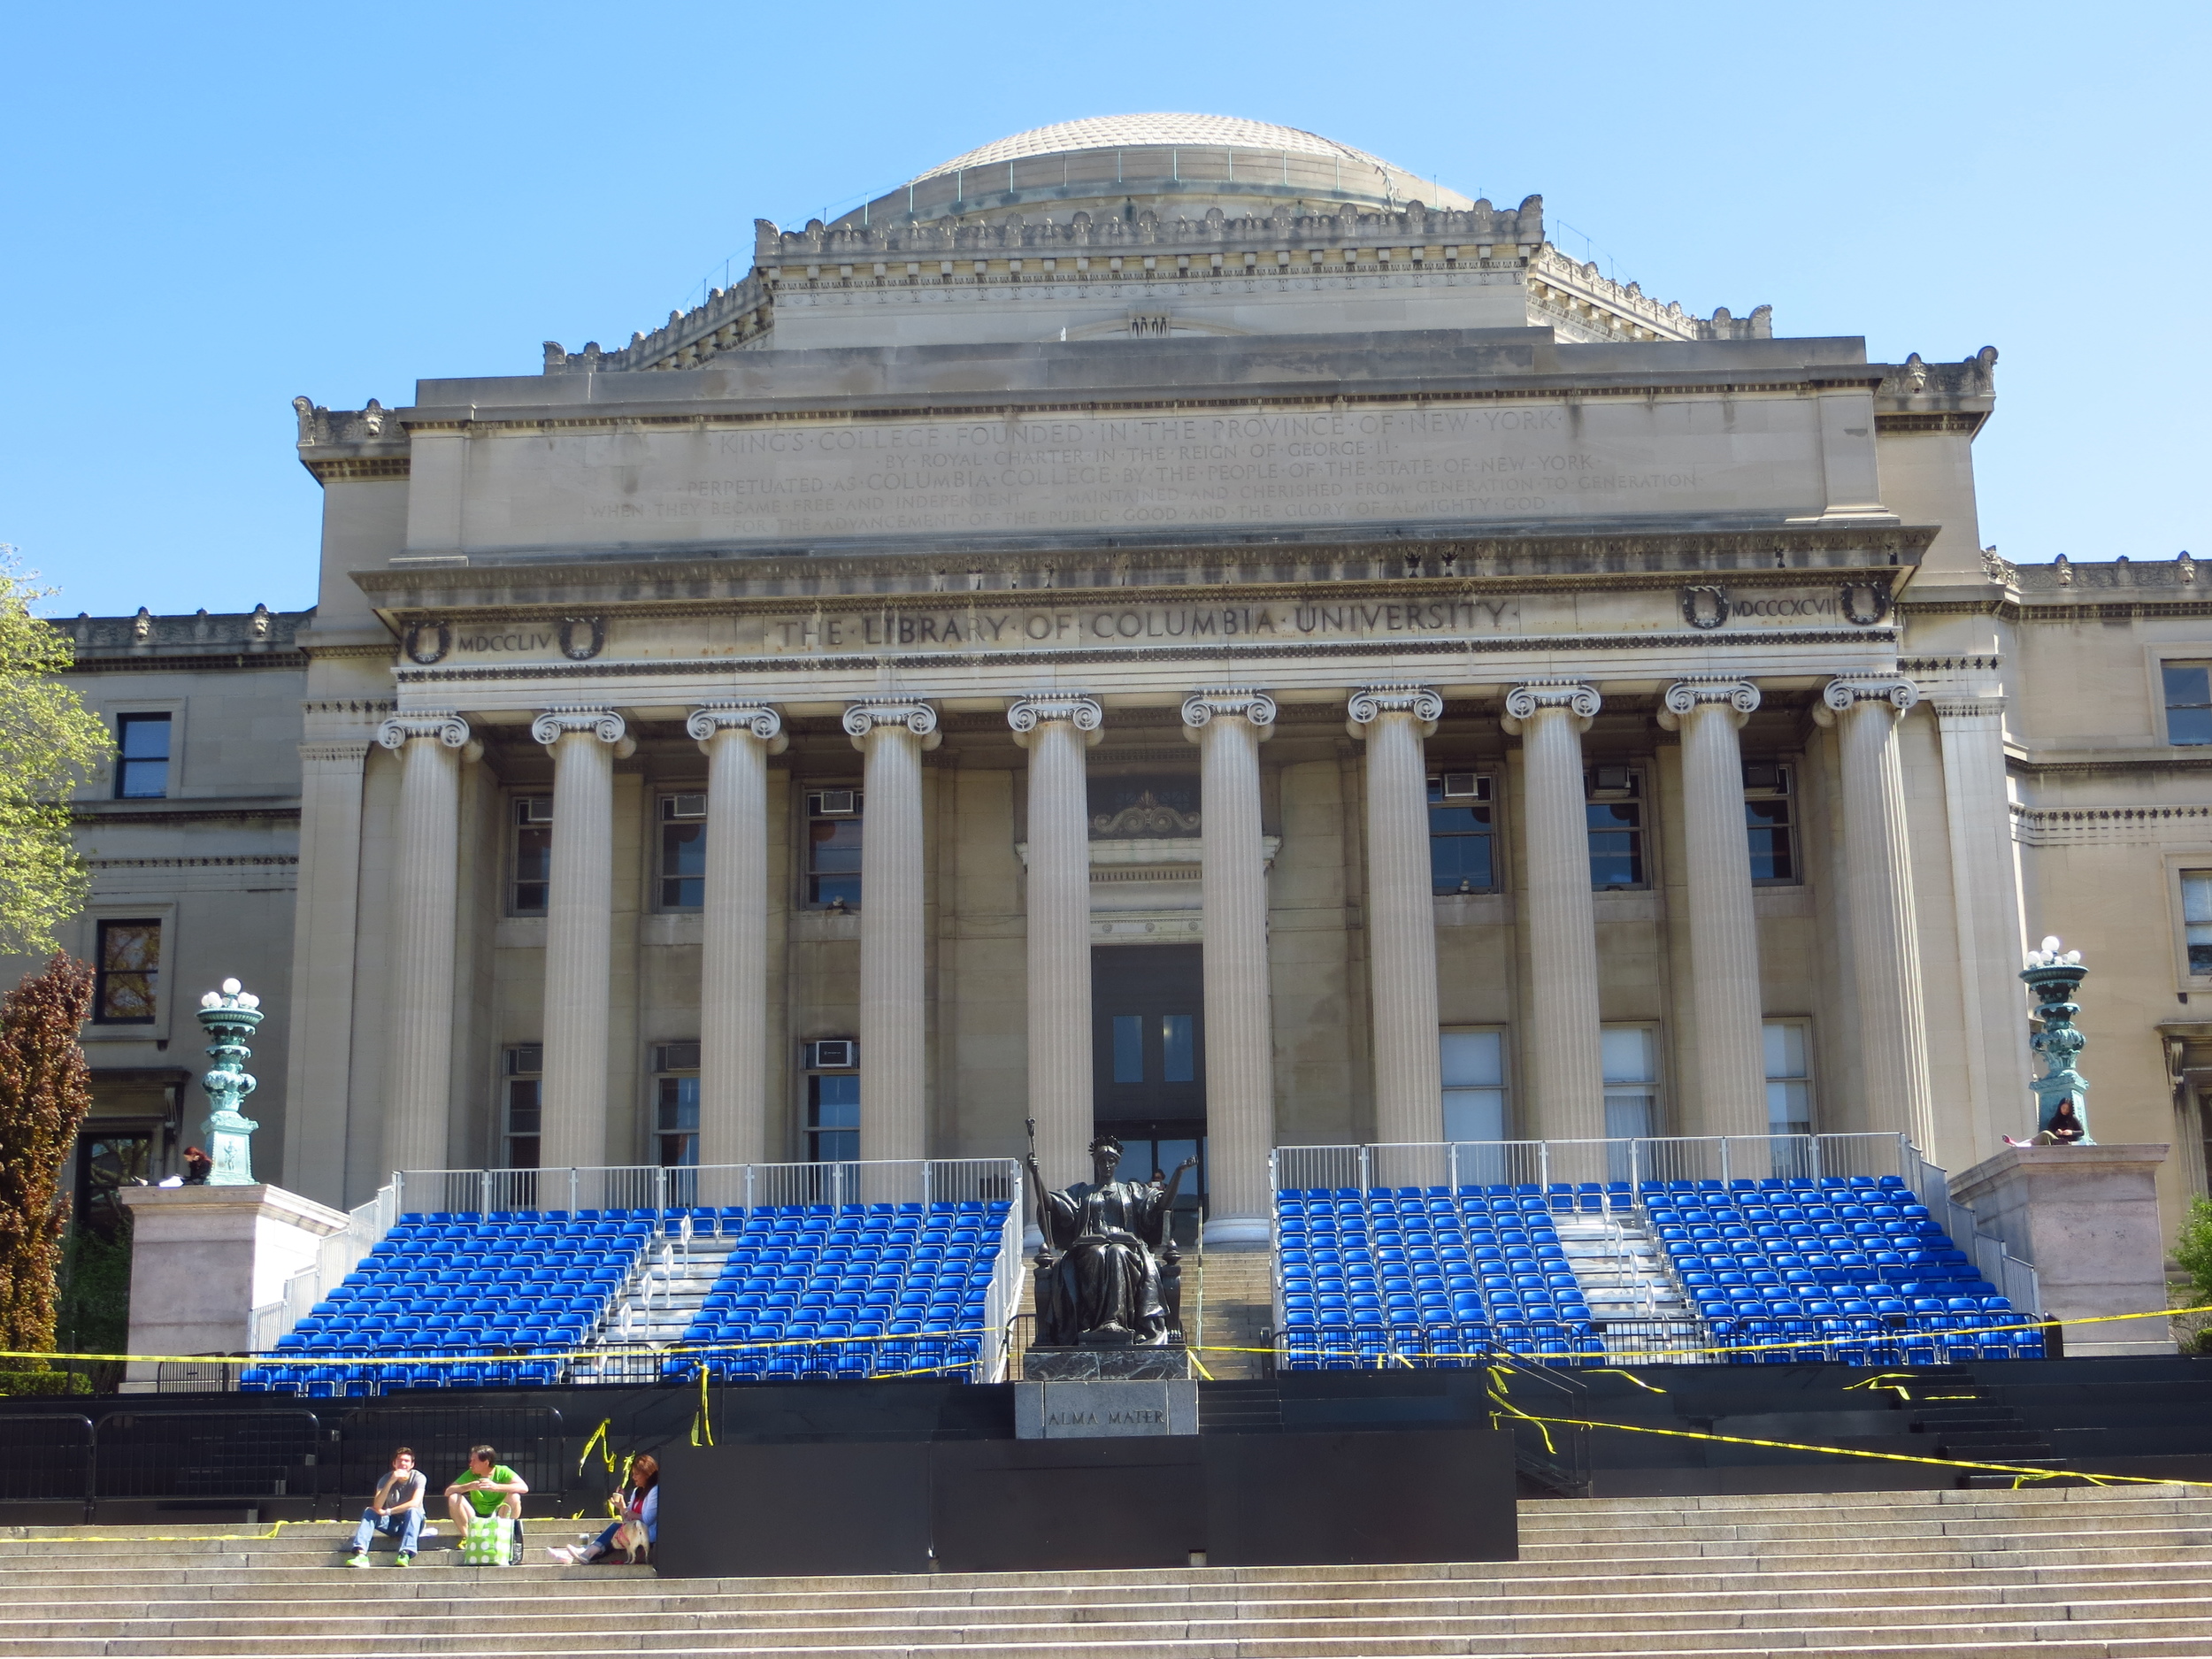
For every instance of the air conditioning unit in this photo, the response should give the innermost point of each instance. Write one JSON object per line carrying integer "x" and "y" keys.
{"x": 1768, "y": 775}
{"x": 686, "y": 805}
{"x": 836, "y": 802}
{"x": 1611, "y": 780}
{"x": 1465, "y": 786}
{"x": 832, "y": 1054}
{"x": 537, "y": 809}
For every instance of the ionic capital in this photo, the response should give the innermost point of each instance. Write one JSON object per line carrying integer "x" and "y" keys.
{"x": 1369, "y": 703}
{"x": 1531, "y": 697}
{"x": 1026, "y": 714}
{"x": 755, "y": 718}
{"x": 862, "y": 720}
{"x": 449, "y": 729}
{"x": 1680, "y": 699}
{"x": 1839, "y": 695}
{"x": 1202, "y": 708}
{"x": 603, "y": 724}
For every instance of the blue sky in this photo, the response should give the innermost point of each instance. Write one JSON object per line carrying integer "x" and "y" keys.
{"x": 208, "y": 210}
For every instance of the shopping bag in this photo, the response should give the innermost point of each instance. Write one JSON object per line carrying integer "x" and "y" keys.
{"x": 488, "y": 1542}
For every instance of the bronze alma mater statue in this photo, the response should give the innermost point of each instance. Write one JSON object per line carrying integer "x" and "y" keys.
{"x": 1108, "y": 1274}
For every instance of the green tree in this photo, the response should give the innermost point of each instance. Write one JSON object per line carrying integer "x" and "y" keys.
{"x": 45, "y": 1090}
{"x": 49, "y": 740}
{"x": 2192, "y": 1249}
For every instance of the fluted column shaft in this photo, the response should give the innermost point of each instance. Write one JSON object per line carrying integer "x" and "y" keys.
{"x": 1878, "y": 873}
{"x": 1725, "y": 998}
{"x": 579, "y": 934}
{"x": 893, "y": 1055}
{"x": 1056, "y": 730}
{"x": 426, "y": 879}
{"x": 734, "y": 948}
{"x": 1396, "y": 721}
{"x": 1228, "y": 728}
{"x": 1566, "y": 1074}
{"x": 1985, "y": 896}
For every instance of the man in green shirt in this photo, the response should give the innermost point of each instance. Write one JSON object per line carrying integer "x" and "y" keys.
{"x": 488, "y": 1488}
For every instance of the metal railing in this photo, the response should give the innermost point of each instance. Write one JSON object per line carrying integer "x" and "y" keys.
{"x": 716, "y": 1185}
{"x": 1724, "y": 1158}
{"x": 336, "y": 1256}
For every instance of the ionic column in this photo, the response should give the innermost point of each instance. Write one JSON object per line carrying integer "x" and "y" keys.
{"x": 1877, "y": 874}
{"x": 1566, "y": 1075}
{"x": 737, "y": 739}
{"x": 425, "y": 880}
{"x": 1401, "y": 911}
{"x": 578, "y": 932}
{"x": 1057, "y": 729}
{"x": 1985, "y": 896}
{"x": 894, "y": 1056}
{"x": 1725, "y": 993}
{"x": 1228, "y": 727}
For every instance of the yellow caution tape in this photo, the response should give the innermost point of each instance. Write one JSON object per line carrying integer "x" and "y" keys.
{"x": 2019, "y": 1471}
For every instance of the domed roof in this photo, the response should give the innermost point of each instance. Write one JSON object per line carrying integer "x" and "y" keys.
{"x": 1132, "y": 132}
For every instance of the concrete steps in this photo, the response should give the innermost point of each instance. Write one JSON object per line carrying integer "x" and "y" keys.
{"x": 2073, "y": 1573}
{"x": 1632, "y": 1297}
{"x": 1234, "y": 1294}
{"x": 660, "y": 1298}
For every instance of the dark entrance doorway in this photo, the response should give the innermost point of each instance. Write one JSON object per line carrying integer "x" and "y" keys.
{"x": 1149, "y": 1062}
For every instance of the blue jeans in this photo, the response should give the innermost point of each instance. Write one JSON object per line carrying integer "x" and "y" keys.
{"x": 407, "y": 1525}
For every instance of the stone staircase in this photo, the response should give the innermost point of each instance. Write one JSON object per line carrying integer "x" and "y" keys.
{"x": 1232, "y": 1292}
{"x": 2077, "y": 1573}
{"x": 1632, "y": 1296}
{"x": 658, "y": 1302}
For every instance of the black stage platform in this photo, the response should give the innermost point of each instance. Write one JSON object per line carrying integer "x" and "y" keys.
{"x": 142, "y": 1457}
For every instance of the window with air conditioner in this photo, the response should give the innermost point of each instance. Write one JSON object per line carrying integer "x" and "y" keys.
{"x": 833, "y": 830}
{"x": 683, "y": 852}
{"x": 1614, "y": 807}
{"x": 1462, "y": 833}
{"x": 1770, "y": 806}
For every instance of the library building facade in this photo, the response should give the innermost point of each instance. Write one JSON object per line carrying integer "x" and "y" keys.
{"x": 1166, "y": 625}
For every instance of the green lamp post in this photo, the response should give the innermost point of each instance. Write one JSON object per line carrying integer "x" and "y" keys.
{"x": 229, "y": 1016}
{"x": 2062, "y": 1092}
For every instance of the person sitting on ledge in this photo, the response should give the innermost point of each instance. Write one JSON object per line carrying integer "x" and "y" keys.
{"x": 488, "y": 1488}
{"x": 395, "y": 1508}
{"x": 637, "y": 1512}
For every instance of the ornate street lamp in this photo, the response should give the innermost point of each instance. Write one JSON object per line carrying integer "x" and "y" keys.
{"x": 2062, "y": 1092}
{"x": 229, "y": 1016}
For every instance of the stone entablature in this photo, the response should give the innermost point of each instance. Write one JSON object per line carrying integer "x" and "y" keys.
{"x": 105, "y": 643}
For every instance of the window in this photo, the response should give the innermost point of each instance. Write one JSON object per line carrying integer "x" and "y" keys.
{"x": 521, "y": 1107}
{"x": 142, "y": 766}
{"x": 833, "y": 849}
{"x": 1768, "y": 809}
{"x": 1463, "y": 835}
{"x": 832, "y": 1116}
{"x": 1631, "y": 1056}
{"x": 1474, "y": 1085}
{"x": 1789, "y": 1078}
{"x": 1178, "y": 1060}
{"x": 2196, "y": 917}
{"x": 683, "y": 852}
{"x": 2188, "y": 702}
{"x": 1617, "y": 828}
{"x": 676, "y": 1103}
{"x": 533, "y": 855}
{"x": 129, "y": 973}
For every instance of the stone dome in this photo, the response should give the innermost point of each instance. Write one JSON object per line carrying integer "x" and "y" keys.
{"x": 1138, "y": 132}
{"x": 1169, "y": 164}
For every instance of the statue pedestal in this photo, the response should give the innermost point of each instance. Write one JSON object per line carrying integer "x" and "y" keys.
{"x": 204, "y": 1257}
{"x": 2086, "y": 1218}
{"x": 1106, "y": 1364}
{"x": 1103, "y": 1410}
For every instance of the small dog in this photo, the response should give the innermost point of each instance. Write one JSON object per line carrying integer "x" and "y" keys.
{"x": 630, "y": 1538}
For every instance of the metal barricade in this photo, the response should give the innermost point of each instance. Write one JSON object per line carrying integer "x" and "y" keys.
{"x": 227, "y": 1456}
{"x": 529, "y": 1439}
{"x": 45, "y": 1457}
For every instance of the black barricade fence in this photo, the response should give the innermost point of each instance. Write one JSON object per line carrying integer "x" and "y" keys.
{"x": 528, "y": 1439}
{"x": 217, "y": 1457}
{"x": 45, "y": 1459}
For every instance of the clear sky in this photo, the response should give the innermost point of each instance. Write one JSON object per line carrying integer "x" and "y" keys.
{"x": 206, "y": 210}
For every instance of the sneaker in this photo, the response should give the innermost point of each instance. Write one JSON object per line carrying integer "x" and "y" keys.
{"x": 428, "y": 1530}
{"x": 404, "y": 1561}
{"x": 566, "y": 1557}
{"x": 360, "y": 1561}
